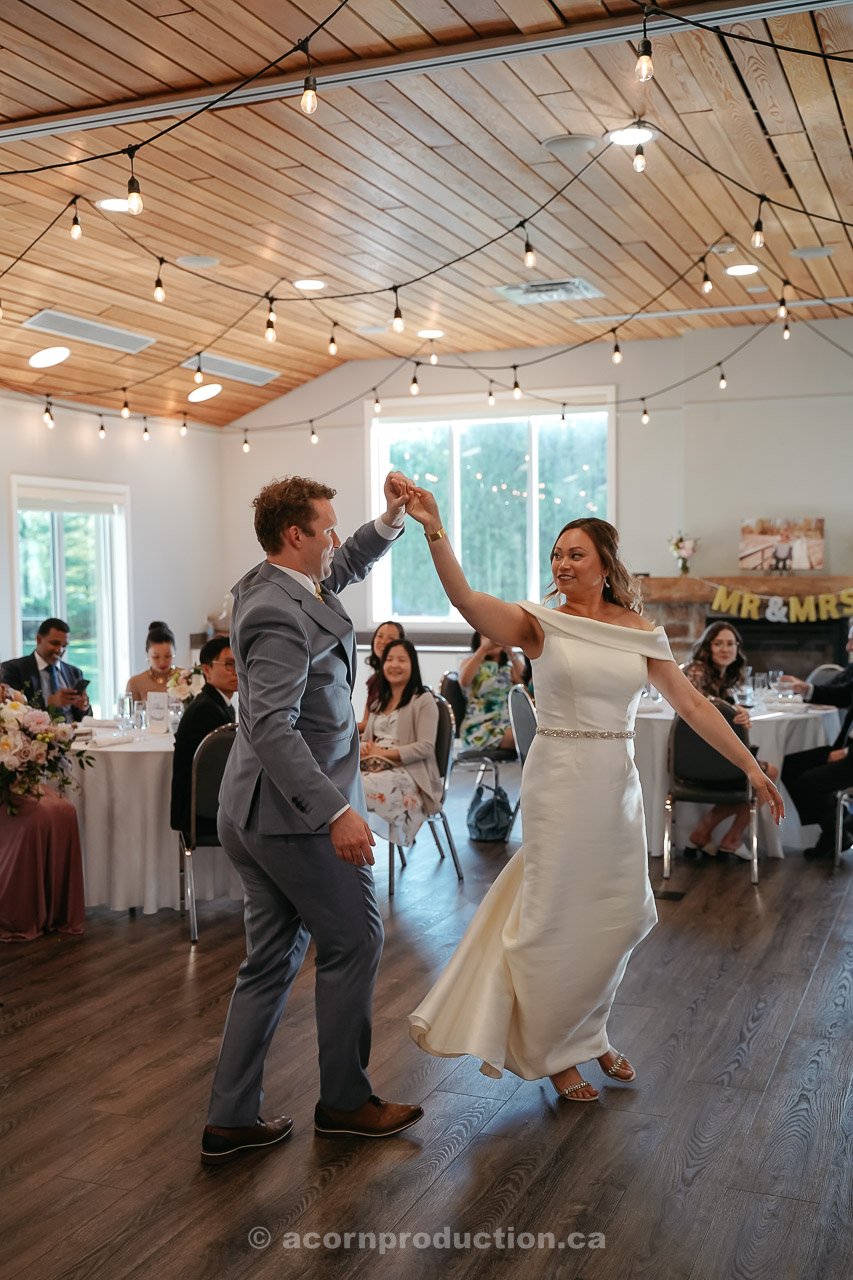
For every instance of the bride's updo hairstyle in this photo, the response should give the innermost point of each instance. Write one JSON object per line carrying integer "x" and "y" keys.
{"x": 621, "y": 588}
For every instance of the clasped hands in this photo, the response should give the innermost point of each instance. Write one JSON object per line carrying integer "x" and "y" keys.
{"x": 403, "y": 496}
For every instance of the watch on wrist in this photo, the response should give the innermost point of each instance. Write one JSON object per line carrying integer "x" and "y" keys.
{"x": 437, "y": 536}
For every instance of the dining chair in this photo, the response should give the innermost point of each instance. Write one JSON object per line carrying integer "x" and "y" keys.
{"x": 485, "y": 757}
{"x": 844, "y": 804}
{"x": 523, "y": 720}
{"x": 209, "y": 763}
{"x": 698, "y": 774}
{"x": 825, "y": 673}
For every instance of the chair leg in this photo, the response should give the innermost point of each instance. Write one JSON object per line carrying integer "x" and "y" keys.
{"x": 402, "y": 855}
{"x": 481, "y": 773}
{"x": 449, "y": 837}
{"x": 839, "y": 830}
{"x": 753, "y": 839}
{"x": 514, "y": 816}
{"x": 188, "y": 864}
{"x": 431, "y": 821}
{"x": 669, "y": 808}
{"x": 391, "y": 868}
{"x": 182, "y": 880}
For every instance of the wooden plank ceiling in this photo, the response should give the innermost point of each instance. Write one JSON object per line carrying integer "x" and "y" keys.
{"x": 394, "y": 177}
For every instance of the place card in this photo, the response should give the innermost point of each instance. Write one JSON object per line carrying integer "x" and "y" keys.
{"x": 157, "y": 707}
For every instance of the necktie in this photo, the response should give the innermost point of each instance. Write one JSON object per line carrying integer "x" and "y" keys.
{"x": 54, "y": 678}
{"x": 318, "y": 591}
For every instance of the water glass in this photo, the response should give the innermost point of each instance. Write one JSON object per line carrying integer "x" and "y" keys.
{"x": 176, "y": 710}
{"x": 743, "y": 693}
{"x": 774, "y": 678}
{"x": 124, "y": 711}
{"x": 139, "y": 717}
{"x": 761, "y": 687}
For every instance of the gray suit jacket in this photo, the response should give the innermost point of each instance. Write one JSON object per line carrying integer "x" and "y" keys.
{"x": 295, "y": 761}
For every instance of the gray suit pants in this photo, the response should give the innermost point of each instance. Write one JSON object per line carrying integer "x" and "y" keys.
{"x": 297, "y": 888}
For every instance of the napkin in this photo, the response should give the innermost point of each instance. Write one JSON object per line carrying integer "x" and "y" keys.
{"x": 115, "y": 740}
{"x": 89, "y": 722}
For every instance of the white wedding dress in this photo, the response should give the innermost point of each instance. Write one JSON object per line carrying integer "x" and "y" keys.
{"x": 530, "y": 986}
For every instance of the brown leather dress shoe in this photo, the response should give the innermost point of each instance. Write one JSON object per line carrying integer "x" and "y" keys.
{"x": 219, "y": 1145}
{"x": 374, "y": 1119}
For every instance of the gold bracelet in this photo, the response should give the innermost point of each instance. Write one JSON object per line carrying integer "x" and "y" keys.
{"x": 437, "y": 536}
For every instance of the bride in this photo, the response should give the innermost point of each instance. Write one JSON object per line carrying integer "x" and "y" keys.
{"x": 530, "y": 986}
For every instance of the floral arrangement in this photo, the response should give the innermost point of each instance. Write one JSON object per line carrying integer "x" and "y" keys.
{"x": 683, "y": 548}
{"x": 33, "y": 750}
{"x": 186, "y": 683}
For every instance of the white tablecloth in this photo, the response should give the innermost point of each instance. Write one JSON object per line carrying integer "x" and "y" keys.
{"x": 130, "y": 853}
{"x": 775, "y": 734}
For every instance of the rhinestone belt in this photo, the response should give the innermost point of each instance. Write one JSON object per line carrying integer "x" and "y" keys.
{"x": 586, "y": 733}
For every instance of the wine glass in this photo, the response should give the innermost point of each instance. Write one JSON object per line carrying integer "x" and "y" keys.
{"x": 774, "y": 679}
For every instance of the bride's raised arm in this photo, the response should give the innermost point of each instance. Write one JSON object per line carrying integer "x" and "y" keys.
{"x": 508, "y": 624}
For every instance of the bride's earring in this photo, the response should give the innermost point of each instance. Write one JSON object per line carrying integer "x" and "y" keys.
{"x": 606, "y": 583}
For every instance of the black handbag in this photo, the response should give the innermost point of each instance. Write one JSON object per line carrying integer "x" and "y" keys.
{"x": 489, "y": 816}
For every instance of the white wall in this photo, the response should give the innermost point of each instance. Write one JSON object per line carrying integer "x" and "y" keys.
{"x": 176, "y": 536}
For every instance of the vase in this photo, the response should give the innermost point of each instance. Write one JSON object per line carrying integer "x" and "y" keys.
{"x": 683, "y": 565}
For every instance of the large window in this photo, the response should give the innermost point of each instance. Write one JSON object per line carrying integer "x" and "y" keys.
{"x": 505, "y": 485}
{"x": 71, "y": 549}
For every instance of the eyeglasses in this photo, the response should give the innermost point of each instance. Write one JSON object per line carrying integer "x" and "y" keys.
{"x": 230, "y": 665}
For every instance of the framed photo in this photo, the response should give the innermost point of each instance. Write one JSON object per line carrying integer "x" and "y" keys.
{"x": 781, "y": 545}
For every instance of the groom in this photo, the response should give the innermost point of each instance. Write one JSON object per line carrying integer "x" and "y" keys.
{"x": 290, "y": 820}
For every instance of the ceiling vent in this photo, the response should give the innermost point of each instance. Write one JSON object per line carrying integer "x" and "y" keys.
{"x": 100, "y": 335}
{"x": 574, "y": 290}
{"x": 233, "y": 370}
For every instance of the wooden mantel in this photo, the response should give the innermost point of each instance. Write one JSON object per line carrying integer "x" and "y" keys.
{"x": 690, "y": 588}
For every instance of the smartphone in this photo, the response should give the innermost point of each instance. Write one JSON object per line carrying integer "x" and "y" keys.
{"x": 81, "y": 686}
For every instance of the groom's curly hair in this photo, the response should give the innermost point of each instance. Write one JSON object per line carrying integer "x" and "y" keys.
{"x": 284, "y": 503}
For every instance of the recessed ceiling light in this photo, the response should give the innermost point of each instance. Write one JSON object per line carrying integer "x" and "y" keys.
{"x": 48, "y": 356}
{"x": 742, "y": 269}
{"x": 309, "y": 286}
{"x": 430, "y": 333}
{"x": 634, "y": 135}
{"x": 723, "y": 248}
{"x": 197, "y": 261}
{"x": 205, "y": 392}
{"x": 570, "y": 147}
{"x": 113, "y": 204}
{"x": 812, "y": 251}
{"x": 757, "y": 288}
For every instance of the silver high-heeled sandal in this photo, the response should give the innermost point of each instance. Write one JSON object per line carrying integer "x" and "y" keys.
{"x": 570, "y": 1092}
{"x": 613, "y": 1070}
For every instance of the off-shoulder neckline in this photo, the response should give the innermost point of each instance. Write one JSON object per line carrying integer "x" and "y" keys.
{"x": 576, "y": 617}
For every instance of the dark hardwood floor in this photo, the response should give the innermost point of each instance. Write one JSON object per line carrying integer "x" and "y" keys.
{"x": 730, "y": 1156}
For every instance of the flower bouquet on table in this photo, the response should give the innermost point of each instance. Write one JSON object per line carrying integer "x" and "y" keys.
{"x": 185, "y": 683}
{"x": 683, "y": 549}
{"x": 34, "y": 750}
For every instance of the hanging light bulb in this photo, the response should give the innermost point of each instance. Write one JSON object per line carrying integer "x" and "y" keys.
{"x": 269, "y": 331}
{"x": 146, "y": 434}
{"x": 198, "y": 376}
{"x": 562, "y": 413}
{"x": 125, "y": 408}
{"x": 134, "y": 193}
{"x": 786, "y": 332}
{"x": 757, "y": 240}
{"x": 644, "y": 70}
{"x": 414, "y": 388}
{"x": 308, "y": 101}
{"x": 398, "y": 324}
{"x": 491, "y": 395}
{"x": 644, "y": 416}
{"x": 159, "y": 291}
{"x": 516, "y": 389}
{"x": 639, "y": 159}
{"x": 183, "y": 428}
{"x": 47, "y": 416}
{"x": 377, "y": 403}
{"x": 76, "y": 230}
{"x": 782, "y": 309}
{"x": 707, "y": 282}
{"x": 529, "y": 252}
{"x": 314, "y": 438}
{"x": 246, "y": 445}
{"x": 102, "y": 431}
{"x": 433, "y": 355}
{"x": 723, "y": 383}
{"x": 616, "y": 357}
{"x": 333, "y": 346}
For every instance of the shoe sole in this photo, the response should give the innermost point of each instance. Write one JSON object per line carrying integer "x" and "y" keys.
{"x": 221, "y": 1157}
{"x": 364, "y": 1133}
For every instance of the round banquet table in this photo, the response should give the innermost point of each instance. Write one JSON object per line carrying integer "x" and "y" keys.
{"x": 775, "y": 734}
{"x": 130, "y": 853}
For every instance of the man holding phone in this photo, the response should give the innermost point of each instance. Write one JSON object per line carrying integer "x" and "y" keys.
{"x": 42, "y": 676}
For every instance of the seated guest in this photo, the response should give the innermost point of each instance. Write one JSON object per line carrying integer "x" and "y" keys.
{"x": 399, "y": 769}
{"x": 813, "y": 777}
{"x": 160, "y": 652}
{"x": 210, "y": 709}
{"x": 486, "y": 679}
{"x": 43, "y": 678}
{"x": 716, "y": 668}
{"x": 383, "y": 635}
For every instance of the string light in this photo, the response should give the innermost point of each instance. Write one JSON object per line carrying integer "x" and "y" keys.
{"x": 246, "y": 445}
{"x": 198, "y": 376}
{"x": 314, "y": 438}
{"x": 786, "y": 332}
{"x": 125, "y": 408}
{"x": 644, "y": 416}
{"x": 433, "y": 354}
{"x": 134, "y": 192}
{"x": 308, "y": 101}
{"x": 47, "y": 416}
{"x": 159, "y": 291}
{"x": 414, "y": 388}
{"x": 562, "y": 413}
{"x": 377, "y": 403}
{"x": 269, "y": 332}
{"x": 398, "y": 324}
{"x": 183, "y": 428}
{"x": 723, "y": 383}
{"x": 491, "y": 397}
{"x": 782, "y": 309}
{"x": 333, "y": 346}
{"x": 616, "y": 357}
{"x": 516, "y": 389}
{"x": 529, "y": 253}
{"x": 644, "y": 70}
{"x": 76, "y": 229}
{"x": 757, "y": 240}
{"x": 707, "y": 282}
{"x": 639, "y": 159}
{"x": 146, "y": 434}
{"x": 102, "y": 431}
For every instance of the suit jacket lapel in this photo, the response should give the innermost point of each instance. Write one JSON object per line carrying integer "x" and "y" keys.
{"x": 328, "y": 614}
